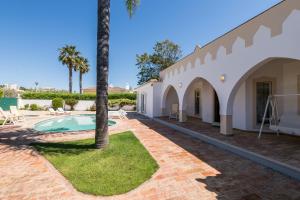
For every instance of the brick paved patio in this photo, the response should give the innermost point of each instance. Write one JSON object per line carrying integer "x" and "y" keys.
{"x": 189, "y": 169}
{"x": 284, "y": 148}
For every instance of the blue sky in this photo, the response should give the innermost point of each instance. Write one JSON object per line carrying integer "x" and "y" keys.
{"x": 31, "y": 31}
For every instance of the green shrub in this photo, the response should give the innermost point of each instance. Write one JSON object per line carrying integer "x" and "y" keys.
{"x": 131, "y": 96}
{"x": 1, "y": 93}
{"x": 34, "y": 107}
{"x": 57, "y": 103}
{"x": 63, "y": 95}
{"x": 121, "y": 102}
{"x": 26, "y": 106}
{"x": 71, "y": 103}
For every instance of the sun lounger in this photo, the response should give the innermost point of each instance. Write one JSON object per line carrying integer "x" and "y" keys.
{"x": 62, "y": 111}
{"x": 7, "y": 117}
{"x": 52, "y": 111}
{"x": 122, "y": 114}
{"x": 113, "y": 115}
{"x": 15, "y": 112}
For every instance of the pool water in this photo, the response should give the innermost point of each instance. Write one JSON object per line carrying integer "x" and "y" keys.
{"x": 69, "y": 123}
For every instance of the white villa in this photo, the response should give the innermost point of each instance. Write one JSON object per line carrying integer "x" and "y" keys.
{"x": 229, "y": 80}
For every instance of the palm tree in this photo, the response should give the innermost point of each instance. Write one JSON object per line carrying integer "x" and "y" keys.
{"x": 82, "y": 65}
{"x": 67, "y": 56}
{"x": 101, "y": 135}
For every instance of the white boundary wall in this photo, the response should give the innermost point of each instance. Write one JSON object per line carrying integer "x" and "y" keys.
{"x": 81, "y": 106}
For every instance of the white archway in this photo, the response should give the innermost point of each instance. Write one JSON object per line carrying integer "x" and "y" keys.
{"x": 170, "y": 96}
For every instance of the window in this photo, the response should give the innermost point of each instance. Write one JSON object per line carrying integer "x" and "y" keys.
{"x": 263, "y": 90}
{"x": 197, "y": 102}
{"x": 143, "y": 103}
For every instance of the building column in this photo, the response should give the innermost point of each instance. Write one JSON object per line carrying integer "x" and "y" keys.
{"x": 182, "y": 116}
{"x": 226, "y": 125}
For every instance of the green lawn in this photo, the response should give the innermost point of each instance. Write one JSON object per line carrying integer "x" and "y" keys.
{"x": 123, "y": 166}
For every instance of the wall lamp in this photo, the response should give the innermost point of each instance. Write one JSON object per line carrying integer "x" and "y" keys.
{"x": 222, "y": 77}
{"x": 180, "y": 85}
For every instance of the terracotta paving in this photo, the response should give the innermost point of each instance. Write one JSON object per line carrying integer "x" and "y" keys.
{"x": 284, "y": 148}
{"x": 189, "y": 169}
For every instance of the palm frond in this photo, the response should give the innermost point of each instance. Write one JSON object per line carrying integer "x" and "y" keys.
{"x": 131, "y": 6}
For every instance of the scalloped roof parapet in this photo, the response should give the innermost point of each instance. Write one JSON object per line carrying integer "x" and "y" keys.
{"x": 270, "y": 20}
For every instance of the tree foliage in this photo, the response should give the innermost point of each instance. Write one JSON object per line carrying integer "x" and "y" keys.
{"x": 68, "y": 56}
{"x": 165, "y": 54}
{"x": 81, "y": 65}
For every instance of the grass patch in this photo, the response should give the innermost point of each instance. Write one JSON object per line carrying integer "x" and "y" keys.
{"x": 121, "y": 167}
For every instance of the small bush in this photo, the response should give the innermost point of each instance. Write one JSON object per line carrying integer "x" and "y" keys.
{"x": 1, "y": 93}
{"x": 71, "y": 103}
{"x": 26, "y": 106}
{"x": 34, "y": 107}
{"x": 57, "y": 103}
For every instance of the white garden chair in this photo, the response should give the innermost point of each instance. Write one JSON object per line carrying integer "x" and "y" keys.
{"x": 15, "y": 112}
{"x": 62, "y": 111}
{"x": 174, "y": 112}
{"x": 52, "y": 111}
{"x": 6, "y": 116}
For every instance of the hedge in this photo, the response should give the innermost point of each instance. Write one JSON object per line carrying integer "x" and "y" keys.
{"x": 51, "y": 95}
{"x": 121, "y": 102}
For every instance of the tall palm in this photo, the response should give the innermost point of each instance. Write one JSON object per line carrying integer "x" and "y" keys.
{"x": 101, "y": 135}
{"x": 82, "y": 65}
{"x": 67, "y": 56}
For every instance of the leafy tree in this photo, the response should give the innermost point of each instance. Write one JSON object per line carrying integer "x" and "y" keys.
{"x": 82, "y": 65}
{"x": 146, "y": 68}
{"x": 68, "y": 56}
{"x": 71, "y": 103}
{"x": 101, "y": 133}
{"x": 165, "y": 54}
{"x": 57, "y": 103}
{"x": 10, "y": 93}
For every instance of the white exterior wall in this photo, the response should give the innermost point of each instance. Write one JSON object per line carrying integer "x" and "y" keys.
{"x": 291, "y": 105}
{"x": 239, "y": 61}
{"x": 207, "y": 105}
{"x": 157, "y": 99}
{"x": 239, "y": 108}
{"x": 152, "y": 92}
{"x": 81, "y": 106}
{"x": 234, "y": 66}
{"x": 39, "y": 102}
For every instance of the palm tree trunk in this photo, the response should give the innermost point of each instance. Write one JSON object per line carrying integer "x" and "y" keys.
{"x": 70, "y": 78}
{"x": 80, "y": 82}
{"x": 101, "y": 135}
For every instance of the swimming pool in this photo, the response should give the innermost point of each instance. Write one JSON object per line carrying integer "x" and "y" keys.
{"x": 69, "y": 123}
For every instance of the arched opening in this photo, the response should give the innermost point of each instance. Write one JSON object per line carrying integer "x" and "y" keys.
{"x": 248, "y": 99}
{"x": 201, "y": 101}
{"x": 170, "y": 101}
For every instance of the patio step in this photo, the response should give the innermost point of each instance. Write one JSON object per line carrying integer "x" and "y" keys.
{"x": 278, "y": 166}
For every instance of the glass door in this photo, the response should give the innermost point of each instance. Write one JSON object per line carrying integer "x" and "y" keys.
{"x": 263, "y": 90}
{"x": 197, "y": 102}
